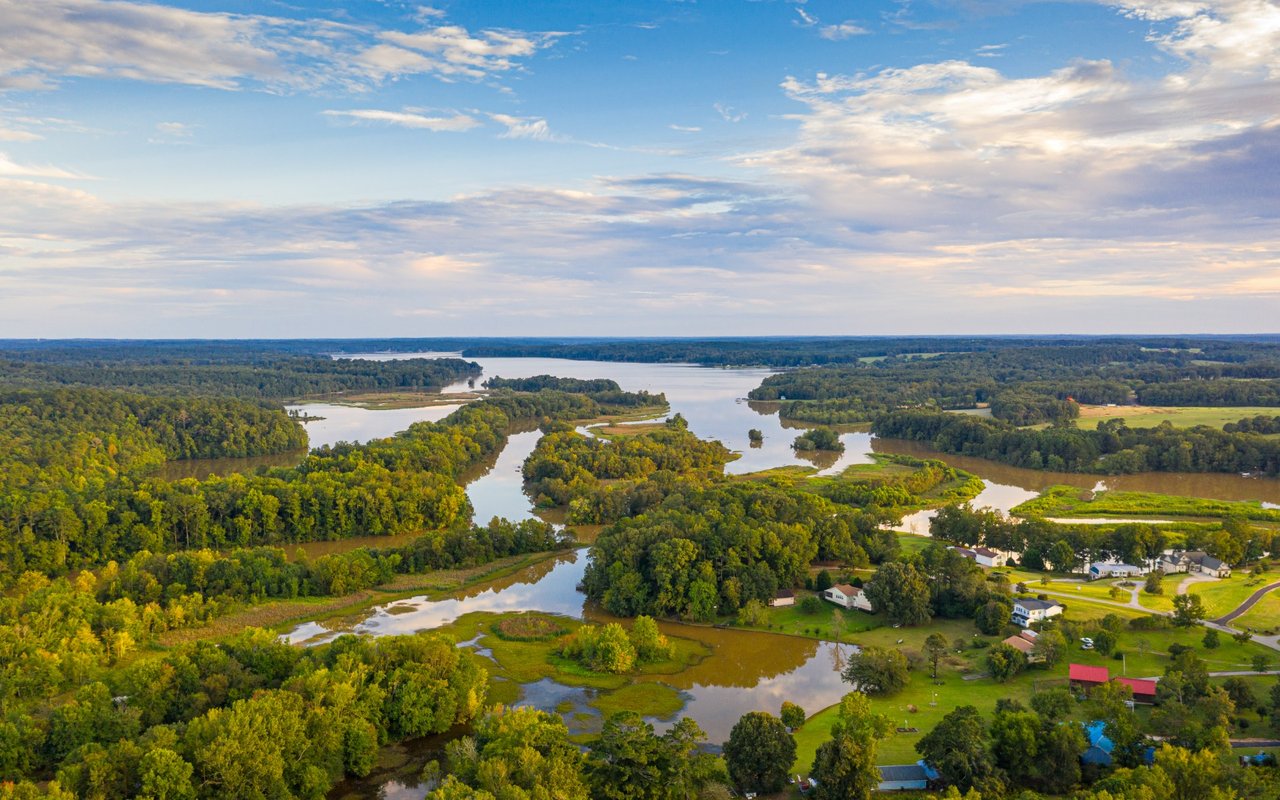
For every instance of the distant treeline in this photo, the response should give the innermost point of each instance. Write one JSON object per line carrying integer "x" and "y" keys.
{"x": 602, "y": 390}
{"x": 223, "y": 370}
{"x": 1032, "y": 384}
{"x": 1113, "y": 448}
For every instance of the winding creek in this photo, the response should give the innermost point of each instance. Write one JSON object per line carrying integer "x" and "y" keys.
{"x": 745, "y": 670}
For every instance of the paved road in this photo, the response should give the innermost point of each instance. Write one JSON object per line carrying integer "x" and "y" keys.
{"x": 1247, "y": 604}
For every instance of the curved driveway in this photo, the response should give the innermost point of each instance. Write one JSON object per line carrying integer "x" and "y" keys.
{"x": 1247, "y": 604}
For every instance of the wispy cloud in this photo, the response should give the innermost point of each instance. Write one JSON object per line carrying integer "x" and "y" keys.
{"x": 48, "y": 42}
{"x": 729, "y": 113}
{"x": 453, "y": 121}
{"x": 10, "y": 168}
{"x": 526, "y": 128}
{"x": 685, "y": 128}
{"x": 843, "y": 30}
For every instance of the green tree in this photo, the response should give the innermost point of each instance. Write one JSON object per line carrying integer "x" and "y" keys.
{"x": 901, "y": 592}
{"x": 792, "y": 715}
{"x": 519, "y": 752}
{"x": 935, "y": 647}
{"x": 1154, "y": 583}
{"x": 1050, "y": 646}
{"x": 649, "y": 643}
{"x": 1210, "y": 640}
{"x": 1104, "y": 641}
{"x": 1188, "y": 610}
{"x": 959, "y": 748}
{"x": 877, "y": 670}
{"x": 1015, "y": 743}
{"x": 992, "y": 616}
{"x": 1261, "y": 662}
{"x": 1005, "y": 661}
{"x": 165, "y": 776}
{"x": 1053, "y": 704}
{"x": 629, "y": 762}
{"x": 759, "y": 753}
{"x": 845, "y": 765}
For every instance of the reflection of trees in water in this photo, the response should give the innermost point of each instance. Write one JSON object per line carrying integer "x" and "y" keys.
{"x": 739, "y": 659}
{"x": 837, "y": 658}
{"x": 529, "y": 575}
{"x": 822, "y": 459}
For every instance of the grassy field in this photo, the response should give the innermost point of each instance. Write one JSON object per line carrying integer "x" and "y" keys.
{"x": 1072, "y": 501}
{"x": 1224, "y": 596}
{"x": 792, "y": 620}
{"x": 1163, "y": 601}
{"x": 1263, "y": 617}
{"x": 1178, "y": 416}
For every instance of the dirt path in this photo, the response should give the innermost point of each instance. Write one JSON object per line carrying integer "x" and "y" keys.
{"x": 1193, "y": 579}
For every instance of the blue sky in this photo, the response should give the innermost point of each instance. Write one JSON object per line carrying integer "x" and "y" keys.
{"x": 371, "y": 168}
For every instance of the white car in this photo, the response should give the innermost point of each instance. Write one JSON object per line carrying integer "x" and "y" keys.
{"x": 1086, "y": 643}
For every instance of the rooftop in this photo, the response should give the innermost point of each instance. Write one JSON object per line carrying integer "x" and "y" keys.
{"x": 1087, "y": 674}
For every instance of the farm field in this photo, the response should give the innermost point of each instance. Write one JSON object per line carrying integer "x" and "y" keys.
{"x": 1178, "y": 416}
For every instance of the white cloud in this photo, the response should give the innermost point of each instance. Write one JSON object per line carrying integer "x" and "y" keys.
{"x": 685, "y": 128}
{"x": 965, "y": 149}
{"x": 806, "y": 19}
{"x": 843, "y": 30}
{"x": 10, "y": 168}
{"x": 409, "y": 118}
{"x": 729, "y": 113}
{"x": 450, "y": 52}
{"x": 49, "y": 41}
{"x": 525, "y": 128}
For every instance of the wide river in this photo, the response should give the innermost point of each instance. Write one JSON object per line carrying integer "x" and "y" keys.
{"x": 746, "y": 671}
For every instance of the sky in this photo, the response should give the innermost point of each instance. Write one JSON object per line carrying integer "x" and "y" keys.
{"x": 230, "y": 169}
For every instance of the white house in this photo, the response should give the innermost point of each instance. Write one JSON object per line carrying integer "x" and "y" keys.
{"x": 1110, "y": 570}
{"x": 1194, "y": 561}
{"x": 983, "y": 556}
{"x": 846, "y": 596}
{"x": 1028, "y": 610}
{"x": 784, "y": 597}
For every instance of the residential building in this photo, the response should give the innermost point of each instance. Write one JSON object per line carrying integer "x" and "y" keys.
{"x": 1025, "y": 643}
{"x": 784, "y": 597}
{"x": 847, "y": 596}
{"x": 983, "y": 556}
{"x": 1027, "y": 610}
{"x": 904, "y": 777}
{"x": 1143, "y": 691}
{"x": 1083, "y": 676}
{"x": 1097, "y": 571}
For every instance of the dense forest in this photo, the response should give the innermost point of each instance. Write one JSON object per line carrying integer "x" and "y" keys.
{"x": 1028, "y": 385}
{"x": 1112, "y": 449}
{"x": 602, "y": 480}
{"x": 56, "y": 517}
{"x": 222, "y": 370}
{"x": 249, "y": 717}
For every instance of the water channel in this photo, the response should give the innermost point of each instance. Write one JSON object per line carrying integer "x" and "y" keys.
{"x": 746, "y": 670}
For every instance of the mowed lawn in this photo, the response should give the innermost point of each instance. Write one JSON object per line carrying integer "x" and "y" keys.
{"x": 1224, "y": 596}
{"x": 1264, "y": 616}
{"x": 1178, "y": 416}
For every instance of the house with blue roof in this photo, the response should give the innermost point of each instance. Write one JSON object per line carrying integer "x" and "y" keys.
{"x": 904, "y": 777}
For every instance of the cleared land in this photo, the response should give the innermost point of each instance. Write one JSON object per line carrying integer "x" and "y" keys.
{"x": 1178, "y": 416}
{"x": 1072, "y": 501}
